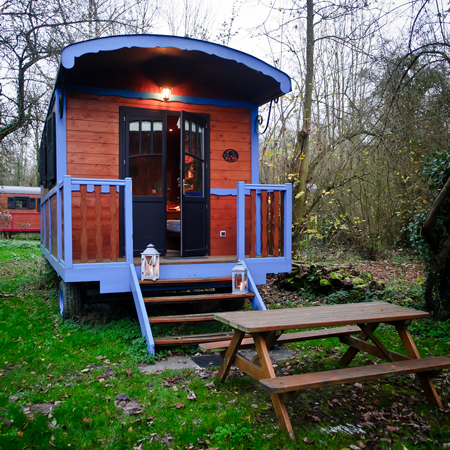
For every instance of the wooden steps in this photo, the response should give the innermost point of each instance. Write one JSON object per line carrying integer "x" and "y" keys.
{"x": 285, "y": 338}
{"x": 193, "y": 338}
{"x": 195, "y": 298}
{"x": 186, "y": 304}
{"x": 292, "y": 383}
{"x": 182, "y": 318}
{"x": 186, "y": 281}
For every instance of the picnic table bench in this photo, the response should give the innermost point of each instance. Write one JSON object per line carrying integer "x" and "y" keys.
{"x": 266, "y": 329}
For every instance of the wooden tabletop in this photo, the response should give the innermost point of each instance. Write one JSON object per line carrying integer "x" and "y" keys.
{"x": 317, "y": 316}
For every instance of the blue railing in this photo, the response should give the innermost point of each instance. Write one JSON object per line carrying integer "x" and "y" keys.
{"x": 270, "y": 220}
{"x": 90, "y": 196}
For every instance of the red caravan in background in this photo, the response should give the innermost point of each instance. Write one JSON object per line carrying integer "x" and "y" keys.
{"x": 20, "y": 209}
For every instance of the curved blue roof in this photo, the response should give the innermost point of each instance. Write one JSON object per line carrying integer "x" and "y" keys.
{"x": 174, "y": 57}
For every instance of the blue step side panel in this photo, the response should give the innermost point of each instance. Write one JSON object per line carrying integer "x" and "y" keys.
{"x": 257, "y": 301}
{"x": 141, "y": 311}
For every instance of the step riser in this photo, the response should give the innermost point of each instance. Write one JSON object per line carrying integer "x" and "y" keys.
{"x": 196, "y": 298}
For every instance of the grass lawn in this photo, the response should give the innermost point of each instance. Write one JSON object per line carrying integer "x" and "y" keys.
{"x": 60, "y": 382}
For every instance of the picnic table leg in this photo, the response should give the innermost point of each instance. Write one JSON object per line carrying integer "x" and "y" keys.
{"x": 348, "y": 356}
{"x": 270, "y": 340}
{"x": 425, "y": 381}
{"x": 228, "y": 358}
{"x": 277, "y": 399}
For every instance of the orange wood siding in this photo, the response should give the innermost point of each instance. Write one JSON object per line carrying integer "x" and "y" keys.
{"x": 223, "y": 218}
{"x": 93, "y": 152}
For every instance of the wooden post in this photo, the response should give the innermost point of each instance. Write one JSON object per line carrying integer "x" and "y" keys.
{"x": 228, "y": 358}
{"x": 83, "y": 207}
{"x": 113, "y": 215}
{"x": 276, "y": 223}
{"x": 128, "y": 200}
{"x": 98, "y": 224}
{"x": 425, "y": 381}
{"x": 240, "y": 225}
{"x": 253, "y": 224}
{"x": 68, "y": 253}
{"x": 277, "y": 399}
{"x": 264, "y": 219}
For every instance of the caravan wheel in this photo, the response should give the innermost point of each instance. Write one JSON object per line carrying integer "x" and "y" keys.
{"x": 69, "y": 300}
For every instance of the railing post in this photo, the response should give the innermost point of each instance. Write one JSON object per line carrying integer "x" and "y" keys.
{"x": 128, "y": 197}
{"x": 258, "y": 221}
{"x": 59, "y": 207}
{"x": 50, "y": 224}
{"x": 42, "y": 218}
{"x": 288, "y": 221}
{"x": 240, "y": 225}
{"x": 68, "y": 255}
{"x": 43, "y": 224}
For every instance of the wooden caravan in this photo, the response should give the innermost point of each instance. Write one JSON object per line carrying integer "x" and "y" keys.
{"x": 153, "y": 140}
{"x": 20, "y": 209}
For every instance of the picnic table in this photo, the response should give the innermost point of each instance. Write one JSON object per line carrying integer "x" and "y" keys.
{"x": 354, "y": 324}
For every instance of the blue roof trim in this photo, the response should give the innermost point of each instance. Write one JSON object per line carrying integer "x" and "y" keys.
{"x": 151, "y": 96}
{"x": 154, "y": 40}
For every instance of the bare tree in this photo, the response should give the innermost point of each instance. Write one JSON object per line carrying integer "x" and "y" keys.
{"x": 32, "y": 37}
{"x": 194, "y": 19}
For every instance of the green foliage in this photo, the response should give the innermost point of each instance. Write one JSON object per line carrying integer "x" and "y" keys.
{"x": 138, "y": 351}
{"x": 231, "y": 434}
{"x": 431, "y": 329}
{"x": 436, "y": 172}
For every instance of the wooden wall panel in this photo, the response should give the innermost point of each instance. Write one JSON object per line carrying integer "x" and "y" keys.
{"x": 223, "y": 218}
{"x": 89, "y": 229}
{"x": 93, "y": 152}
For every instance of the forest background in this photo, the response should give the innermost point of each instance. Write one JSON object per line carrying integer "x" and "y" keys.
{"x": 363, "y": 136}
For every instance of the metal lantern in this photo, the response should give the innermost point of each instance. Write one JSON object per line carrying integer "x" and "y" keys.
{"x": 165, "y": 93}
{"x": 239, "y": 278}
{"x": 150, "y": 263}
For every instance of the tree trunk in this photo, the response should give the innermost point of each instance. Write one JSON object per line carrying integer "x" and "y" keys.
{"x": 302, "y": 165}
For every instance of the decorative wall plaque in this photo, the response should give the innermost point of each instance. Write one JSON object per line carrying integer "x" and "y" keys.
{"x": 230, "y": 155}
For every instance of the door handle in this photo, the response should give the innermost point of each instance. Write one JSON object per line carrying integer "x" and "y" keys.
{"x": 184, "y": 187}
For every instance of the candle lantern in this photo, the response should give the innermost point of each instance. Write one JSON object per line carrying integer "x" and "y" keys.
{"x": 239, "y": 278}
{"x": 150, "y": 263}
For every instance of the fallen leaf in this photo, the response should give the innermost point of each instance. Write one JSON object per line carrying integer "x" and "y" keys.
{"x": 179, "y": 405}
{"x": 130, "y": 429}
{"x": 19, "y": 433}
{"x": 87, "y": 419}
{"x": 308, "y": 441}
{"x": 52, "y": 424}
{"x": 191, "y": 395}
{"x": 128, "y": 371}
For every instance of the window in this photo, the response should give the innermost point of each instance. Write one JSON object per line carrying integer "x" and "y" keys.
{"x": 47, "y": 152}
{"x": 23, "y": 203}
